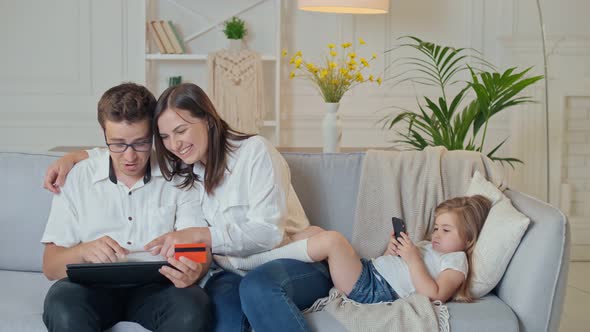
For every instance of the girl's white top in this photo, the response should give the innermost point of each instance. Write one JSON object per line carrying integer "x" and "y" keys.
{"x": 396, "y": 272}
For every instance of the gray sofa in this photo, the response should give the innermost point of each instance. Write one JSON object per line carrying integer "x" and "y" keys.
{"x": 529, "y": 297}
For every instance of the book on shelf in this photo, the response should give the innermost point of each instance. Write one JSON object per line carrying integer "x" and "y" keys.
{"x": 174, "y": 37}
{"x": 162, "y": 35}
{"x": 156, "y": 38}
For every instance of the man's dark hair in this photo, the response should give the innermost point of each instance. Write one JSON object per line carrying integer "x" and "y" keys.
{"x": 126, "y": 102}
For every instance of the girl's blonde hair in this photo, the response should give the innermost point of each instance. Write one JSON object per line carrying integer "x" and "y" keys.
{"x": 472, "y": 212}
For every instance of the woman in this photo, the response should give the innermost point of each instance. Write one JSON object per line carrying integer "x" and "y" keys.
{"x": 250, "y": 207}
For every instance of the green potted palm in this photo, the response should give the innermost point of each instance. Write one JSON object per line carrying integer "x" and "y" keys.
{"x": 453, "y": 121}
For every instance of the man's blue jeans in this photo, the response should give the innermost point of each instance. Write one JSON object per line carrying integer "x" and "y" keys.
{"x": 269, "y": 298}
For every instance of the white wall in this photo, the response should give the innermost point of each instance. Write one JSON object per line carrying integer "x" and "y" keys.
{"x": 576, "y": 172}
{"x": 58, "y": 57}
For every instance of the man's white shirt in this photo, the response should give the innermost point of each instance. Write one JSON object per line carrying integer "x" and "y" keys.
{"x": 90, "y": 206}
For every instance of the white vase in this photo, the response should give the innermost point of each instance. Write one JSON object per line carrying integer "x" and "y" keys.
{"x": 331, "y": 128}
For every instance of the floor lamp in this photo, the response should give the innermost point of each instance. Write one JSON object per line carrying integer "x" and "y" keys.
{"x": 546, "y": 81}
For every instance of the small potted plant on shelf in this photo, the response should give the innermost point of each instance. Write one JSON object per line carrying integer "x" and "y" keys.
{"x": 235, "y": 30}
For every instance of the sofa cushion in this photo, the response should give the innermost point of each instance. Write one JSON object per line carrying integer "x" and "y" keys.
{"x": 23, "y": 294}
{"x": 480, "y": 186}
{"x": 21, "y": 303}
{"x": 24, "y": 208}
{"x": 497, "y": 243}
{"x": 499, "y": 237}
{"x": 21, "y": 306}
{"x": 327, "y": 186}
{"x": 321, "y": 321}
{"x": 486, "y": 314}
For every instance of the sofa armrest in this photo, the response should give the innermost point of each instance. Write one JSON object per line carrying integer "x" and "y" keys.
{"x": 535, "y": 280}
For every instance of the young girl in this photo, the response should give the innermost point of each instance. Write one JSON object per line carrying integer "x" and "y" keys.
{"x": 437, "y": 268}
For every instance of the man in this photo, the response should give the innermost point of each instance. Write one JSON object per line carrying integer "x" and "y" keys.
{"x": 110, "y": 207}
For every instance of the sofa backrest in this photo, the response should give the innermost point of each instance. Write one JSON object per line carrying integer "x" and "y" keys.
{"x": 24, "y": 208}
{"x": 327, "y": 186}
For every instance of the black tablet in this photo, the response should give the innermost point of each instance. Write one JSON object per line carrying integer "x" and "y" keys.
{"x": 117, "y": 274}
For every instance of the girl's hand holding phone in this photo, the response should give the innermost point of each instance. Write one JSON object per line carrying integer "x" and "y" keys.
{"x": 406, "y": 249}
{"x": 391, "y": 246}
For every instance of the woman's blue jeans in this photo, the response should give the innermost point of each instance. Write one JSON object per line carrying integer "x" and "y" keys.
{"x": 268, "y": 298}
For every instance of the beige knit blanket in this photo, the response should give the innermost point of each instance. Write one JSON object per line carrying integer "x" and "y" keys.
{"x": 408, "y": 184}
{"x": 414, "y": 313}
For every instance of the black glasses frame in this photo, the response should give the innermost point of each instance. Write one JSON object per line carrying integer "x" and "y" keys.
{"x": 134, "y": 146}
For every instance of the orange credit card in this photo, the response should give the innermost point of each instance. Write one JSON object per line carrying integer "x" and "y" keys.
{"x": 196, "y": 252}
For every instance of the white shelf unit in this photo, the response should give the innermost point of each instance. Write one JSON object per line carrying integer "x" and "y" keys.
{"x": 271, "y": 127}
{"x": 191, "y": 57}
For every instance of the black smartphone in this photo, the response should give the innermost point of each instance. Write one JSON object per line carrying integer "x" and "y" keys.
{"x": 398, "y": 226}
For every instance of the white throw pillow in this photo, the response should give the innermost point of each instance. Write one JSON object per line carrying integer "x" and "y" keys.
{"x": 480, "y": 186}
{"x": 498, "y": 239}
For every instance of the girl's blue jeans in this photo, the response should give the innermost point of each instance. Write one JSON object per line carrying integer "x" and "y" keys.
{"x": 268, "y": 298}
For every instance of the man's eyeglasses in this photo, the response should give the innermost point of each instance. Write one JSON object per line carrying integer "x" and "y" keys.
{"x": 138, "y": 147}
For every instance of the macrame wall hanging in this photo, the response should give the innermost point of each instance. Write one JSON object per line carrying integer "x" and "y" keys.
{"x": 235, "y": 87}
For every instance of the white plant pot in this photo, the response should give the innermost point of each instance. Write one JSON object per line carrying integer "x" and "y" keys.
{"x": 236, "y": 44}
{"x": 331, "y": 128}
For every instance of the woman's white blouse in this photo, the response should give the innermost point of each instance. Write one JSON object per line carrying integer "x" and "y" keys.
{"x": 255, "y": 205}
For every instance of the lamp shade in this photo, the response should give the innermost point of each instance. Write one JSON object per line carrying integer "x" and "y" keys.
{"x": 345, "y": 6}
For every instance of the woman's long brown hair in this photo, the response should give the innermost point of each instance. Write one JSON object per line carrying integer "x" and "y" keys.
{"x": 472, "y": 212}
{"x": 191, "y": 98}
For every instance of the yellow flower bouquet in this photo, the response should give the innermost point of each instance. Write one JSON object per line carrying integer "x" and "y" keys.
{"x": 342, "y": 71}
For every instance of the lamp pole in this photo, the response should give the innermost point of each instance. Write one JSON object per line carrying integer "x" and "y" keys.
{"x": 545, "y": 73}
